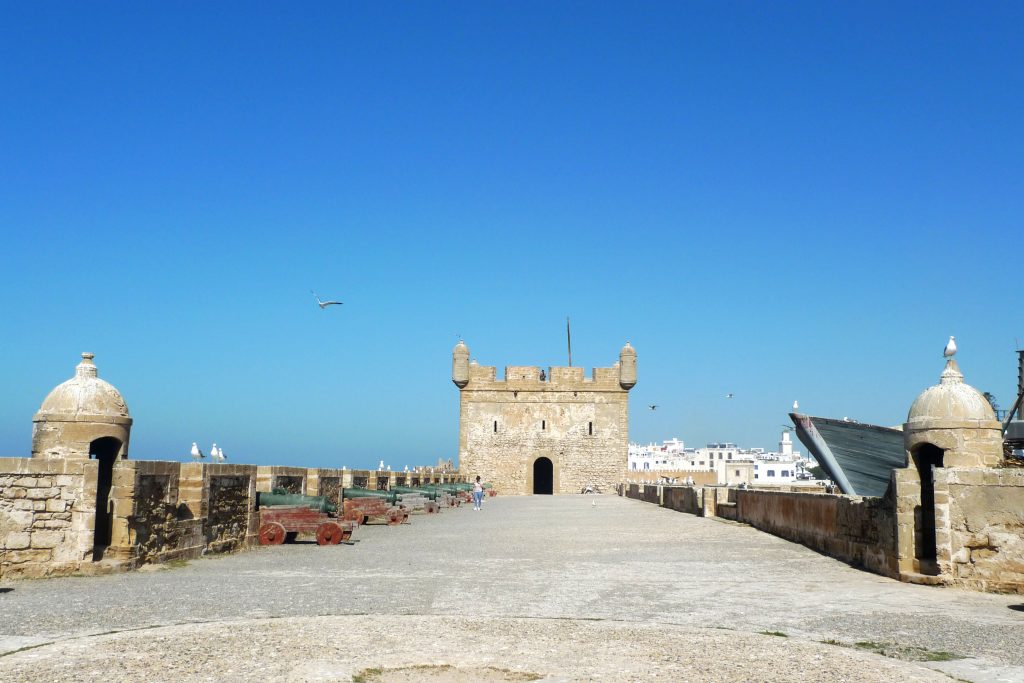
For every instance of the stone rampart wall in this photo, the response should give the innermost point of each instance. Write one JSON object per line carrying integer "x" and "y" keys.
{"x": 45, "y": 519}
{"x": 232, "y": 519}
{"x": 161, "y": 510}
{"x": 986, "y": 527}
{"x": 854, "y": 529}
{"x": 857, "y": 530}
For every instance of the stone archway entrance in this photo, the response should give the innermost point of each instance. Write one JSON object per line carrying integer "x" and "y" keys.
{"x": 104, "y": 450}
{"x": 543, "y": 477}
{"x": 926, "y": 458}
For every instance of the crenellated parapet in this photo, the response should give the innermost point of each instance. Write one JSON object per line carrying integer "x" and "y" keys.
{"x": 470, "y": 376}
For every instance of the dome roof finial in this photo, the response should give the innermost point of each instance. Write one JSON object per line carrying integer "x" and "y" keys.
{"x": 87, "y": 368}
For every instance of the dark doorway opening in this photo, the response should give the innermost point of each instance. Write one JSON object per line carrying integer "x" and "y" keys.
{"x": 926, "y": 459}
{"x": 104, "y": 450}
{"x": 543, "y": 477}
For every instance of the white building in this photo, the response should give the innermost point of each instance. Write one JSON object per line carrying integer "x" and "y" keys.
{"x": 733, "y": 465}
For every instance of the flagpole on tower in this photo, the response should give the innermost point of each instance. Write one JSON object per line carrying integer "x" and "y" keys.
{"x": 568, "y": 338}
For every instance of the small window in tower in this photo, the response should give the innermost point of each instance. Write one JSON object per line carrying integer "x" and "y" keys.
{"x": 495, "y": 426}
{"x": 590, "y": 428}
{"x": 543, "y": 424}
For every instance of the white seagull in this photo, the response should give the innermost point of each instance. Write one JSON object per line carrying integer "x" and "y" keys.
{"x": 796, "y": 406}
{"x": 324, "y": 304}
{"x": 220, "y": 455}
{"x": 728, "y": 395}
{"x": 196, "y": 453}
{"x": 950, "y": 349}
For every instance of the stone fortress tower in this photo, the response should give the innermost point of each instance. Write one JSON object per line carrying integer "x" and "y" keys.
{"x": 542, "y": 433}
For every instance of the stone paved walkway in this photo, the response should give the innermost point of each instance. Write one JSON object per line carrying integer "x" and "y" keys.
{"x": 552, "y": 586}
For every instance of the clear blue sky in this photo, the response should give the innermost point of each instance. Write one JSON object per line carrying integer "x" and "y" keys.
{"x": 780, "y": 200}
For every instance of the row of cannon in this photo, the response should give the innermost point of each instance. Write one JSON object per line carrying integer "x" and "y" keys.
{"x": 284, "y": 516}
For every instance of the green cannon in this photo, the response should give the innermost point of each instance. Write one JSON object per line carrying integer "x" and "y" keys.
{"x": 360, "y": 505}
{"x": 282, "y": 497}
{"x": 425, "y": 491}
{"x": 391, "y": 497}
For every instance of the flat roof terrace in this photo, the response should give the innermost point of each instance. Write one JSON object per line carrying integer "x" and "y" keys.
{"x": 563, "y": 588}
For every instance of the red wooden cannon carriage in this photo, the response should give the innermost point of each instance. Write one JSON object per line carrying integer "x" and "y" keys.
{"x": 285, "y": 522}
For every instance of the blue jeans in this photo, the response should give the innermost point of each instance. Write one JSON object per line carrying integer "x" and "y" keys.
{"x": 478, "y": 499}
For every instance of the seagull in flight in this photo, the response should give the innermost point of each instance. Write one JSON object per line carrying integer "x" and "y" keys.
{"x": 729, "y": 395}
{"x": 653, "y": 407}
{"x": 950, "y": 349}
{"x": 324, "y": 304}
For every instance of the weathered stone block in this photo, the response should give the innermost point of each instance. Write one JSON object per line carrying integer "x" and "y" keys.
{"x": 56, "y": 505}
{"x": 34, "y": 555}
{"x": 42, "y": 493}
{"x": 47, "y": 539}
{"x": 17, "y": 540}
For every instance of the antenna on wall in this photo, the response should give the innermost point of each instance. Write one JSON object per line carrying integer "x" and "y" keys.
{"x": 568, "y": 339}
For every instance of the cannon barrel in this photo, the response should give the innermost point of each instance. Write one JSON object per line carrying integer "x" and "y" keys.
{"x": 282, "y": 497}
{"x": 425, "y": 491}
{"x": 392, "y": 497}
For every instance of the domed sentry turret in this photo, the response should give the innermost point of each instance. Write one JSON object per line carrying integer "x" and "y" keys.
{"x": 954, "y": 417}
{"x": 627, "y": 367}
{"x": 83, "y": 415}
{"x": 460, "y": 364}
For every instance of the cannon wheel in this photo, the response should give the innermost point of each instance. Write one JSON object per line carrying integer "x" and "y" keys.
{"x": 394, "y": 516}
{"x": 329, "y": 533}
{"x": 272, "y": 533}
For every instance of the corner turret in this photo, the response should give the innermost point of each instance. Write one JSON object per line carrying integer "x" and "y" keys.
{"x": 627, "y": 367}
{"x": 460, "y": 364}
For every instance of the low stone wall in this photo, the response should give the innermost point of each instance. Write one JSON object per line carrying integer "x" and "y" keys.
{"x": 232, "y": 520}
{"x": 684, "y": 499}
{"x": 159, "y": 527}
{"x": 857, "y": 530}
{"x": 986, "y": 527}
{"x": 46, "y": 520}
{"x": 159, "y": 510}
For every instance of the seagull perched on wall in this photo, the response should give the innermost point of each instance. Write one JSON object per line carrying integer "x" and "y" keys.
{"x": 950, "y": 349}
{"x": 324, "y": 304}
{"x": 220, "y": 455}
{"x": 196, "y": 453}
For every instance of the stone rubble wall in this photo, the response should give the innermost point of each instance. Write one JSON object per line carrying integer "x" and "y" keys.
{"x": 46, "y": 519}
{"x": 985, "y": 527}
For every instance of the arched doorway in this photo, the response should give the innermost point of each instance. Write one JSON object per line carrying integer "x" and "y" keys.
{"x": 926, "y": 458}
{"x": 543, "y": 477}
{"x": 104, "y": 450}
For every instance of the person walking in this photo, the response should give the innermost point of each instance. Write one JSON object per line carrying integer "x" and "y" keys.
{"x": 478, "y": 494}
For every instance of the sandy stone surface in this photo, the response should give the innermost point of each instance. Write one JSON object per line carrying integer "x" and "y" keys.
{"x": 554, "y": 588}
{"x": 336, "y": 648}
